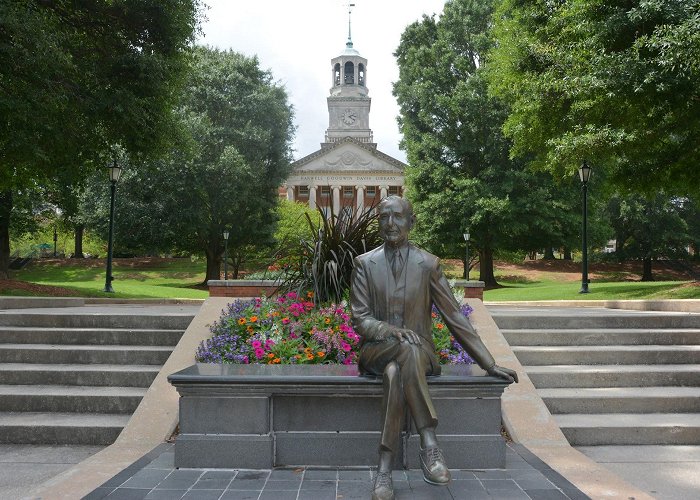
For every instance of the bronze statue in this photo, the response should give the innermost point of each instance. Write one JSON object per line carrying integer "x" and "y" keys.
{"x": 393, "y": 289}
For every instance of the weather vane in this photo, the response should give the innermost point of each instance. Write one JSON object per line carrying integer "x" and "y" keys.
{"x": 350, "y": 6}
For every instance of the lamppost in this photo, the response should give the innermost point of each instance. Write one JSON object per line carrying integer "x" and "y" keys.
{"x": 466, "y": 261}
{"x": 584, "y": 172}
{"x": 226, "y": 233}
{"x": 55, "y": 240}
{"x": 114, "y": 172}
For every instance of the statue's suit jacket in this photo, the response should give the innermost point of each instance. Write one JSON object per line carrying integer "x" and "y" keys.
{"x": 425, "y": 285}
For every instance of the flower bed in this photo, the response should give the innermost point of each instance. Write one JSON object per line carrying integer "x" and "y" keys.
{"x": 291, "y": 330}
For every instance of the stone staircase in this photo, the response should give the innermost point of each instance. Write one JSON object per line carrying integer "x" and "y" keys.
{"x": 75, "y": 375}
{"x": 612, "y": 377}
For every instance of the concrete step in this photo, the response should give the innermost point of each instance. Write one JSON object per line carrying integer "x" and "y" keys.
{"x": 627, "y": 354}
{"x": 30, "y": 353}
{"x": 59, "y": 398}
{"x": 614, "y": 375}
{"x": 589, "y": 320}
{"x": 599, "y": 337}
{"x": 74, "y": 374}
{"x": 631, "y": 428}
{"x": 622, "y": 399}
{"x": 60, "y": 318}
{"x": 94, "y": 336}
{"x": 60, "y": 428}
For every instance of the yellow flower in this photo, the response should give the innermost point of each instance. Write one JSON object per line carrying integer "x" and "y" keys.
{"x": 270, "y": 355}
{"x": 241, "y": 321}
{"x": 250, "y": 329}
{"x": 328, "y": 321}
{"x": 277, "y": 360}
{"x": 320, "y": 354}
{"x": 310, "y": 295}
{"x": 309, "y": 356}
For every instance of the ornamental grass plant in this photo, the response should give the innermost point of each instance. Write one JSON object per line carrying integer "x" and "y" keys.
{"x": 292, "y": 330}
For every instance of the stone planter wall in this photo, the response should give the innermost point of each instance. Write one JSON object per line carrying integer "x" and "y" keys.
{"x": 262, "y": 416}
{"x": 242, "y": 288}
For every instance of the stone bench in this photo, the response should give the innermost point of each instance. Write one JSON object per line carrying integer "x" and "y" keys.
{"x": 263, "y": 416}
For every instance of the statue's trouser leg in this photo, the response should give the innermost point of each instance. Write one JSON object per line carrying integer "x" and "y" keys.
{"x": 393, "y": 405}
{"x": 413, "y": 361}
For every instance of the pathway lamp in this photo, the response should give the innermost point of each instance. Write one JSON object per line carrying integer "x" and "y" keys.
{"x": 115, "y": 171}
{"x": 466, "y": 261}
{"x": 584, "y": 173}
{"x": 226, "y": 233}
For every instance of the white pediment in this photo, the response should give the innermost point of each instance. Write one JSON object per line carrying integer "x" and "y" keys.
{"x": 348, "y": 156}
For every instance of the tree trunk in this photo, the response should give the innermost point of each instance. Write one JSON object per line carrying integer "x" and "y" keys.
{"x": 5, "y": 211}
{"x": 567, "y": 253}
{"x": 78, "y": 253}
{"x": 646, "y": 270}
{"x": 213, "y": 254}
{"x": 549, "y": 253}
{"x": 486, "y": 268}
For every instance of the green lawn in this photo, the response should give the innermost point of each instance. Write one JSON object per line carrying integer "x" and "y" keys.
{"x": 553, "y": 290}
{"x": 178, "y": 278}
{"x": 171, "y": 278}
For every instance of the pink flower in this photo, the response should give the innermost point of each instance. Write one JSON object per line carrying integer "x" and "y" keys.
{"x": 259, "y": 353}
{"x": 346, "y": 347}
{"x": 256, "y": 344}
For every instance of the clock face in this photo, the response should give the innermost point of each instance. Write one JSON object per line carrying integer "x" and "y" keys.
{"x": 349, "y": 117}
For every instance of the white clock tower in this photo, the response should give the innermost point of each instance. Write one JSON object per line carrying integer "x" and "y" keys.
{"x": 348, "y": 173}
{"x": 348, "y": 103}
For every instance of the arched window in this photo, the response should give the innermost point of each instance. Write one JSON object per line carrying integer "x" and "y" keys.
{"x": 349, "y": 72}
{"x": 336, "y": 74}
{"x": 361, "y": 74}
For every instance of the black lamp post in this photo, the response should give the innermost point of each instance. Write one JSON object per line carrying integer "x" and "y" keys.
{"x": 226, "y": 233}
{"x": 55, "y": 241}
{"x": 584, "y": 172}
{"x": 466, "y": 262}
{"x": 114, "y": 172}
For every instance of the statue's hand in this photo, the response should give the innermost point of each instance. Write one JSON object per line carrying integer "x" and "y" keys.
{"x": 502, "y": 372}
{"x": 406, "y": 335}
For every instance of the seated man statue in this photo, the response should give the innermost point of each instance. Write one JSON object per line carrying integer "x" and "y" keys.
{"x": 393, "y": 289}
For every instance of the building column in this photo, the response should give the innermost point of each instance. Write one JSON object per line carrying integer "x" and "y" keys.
{"x": 312, "y": 197}
{"x": 290, "y": 193}
{"x": 383, "y": 190}
{"x": 360, "y": 199}
{"x": 336, "y": 199}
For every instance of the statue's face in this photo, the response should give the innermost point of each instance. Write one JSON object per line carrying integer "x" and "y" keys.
{"x": 394, "y": 222}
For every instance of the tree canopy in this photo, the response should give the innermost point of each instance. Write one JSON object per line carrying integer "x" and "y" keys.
{"x": 76, "y": 79}
{"x": 225, "y": 176}
{"x": 616, "y": 82}
{"x": 460, "y": 176}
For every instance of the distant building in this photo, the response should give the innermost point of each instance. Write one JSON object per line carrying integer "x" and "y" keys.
{"x": 348, "y": 172}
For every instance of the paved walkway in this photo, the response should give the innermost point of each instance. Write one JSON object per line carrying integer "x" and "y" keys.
{"x": 154, "y": 477}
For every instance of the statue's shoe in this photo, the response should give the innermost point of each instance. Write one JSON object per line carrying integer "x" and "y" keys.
{"x": 435, "y": 469}
{"x": 383, "y": 487}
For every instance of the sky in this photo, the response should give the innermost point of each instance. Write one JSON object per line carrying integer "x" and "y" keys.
{"x": 296, "y": 42}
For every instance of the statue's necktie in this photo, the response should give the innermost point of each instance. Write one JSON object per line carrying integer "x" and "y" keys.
{"x": 396, "y": 264}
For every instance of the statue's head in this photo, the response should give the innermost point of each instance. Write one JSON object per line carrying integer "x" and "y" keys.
{"x": 396, "y": 220}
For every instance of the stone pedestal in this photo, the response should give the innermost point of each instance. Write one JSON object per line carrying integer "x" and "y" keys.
{"x": 472, "y": 289}
{"x": 264, "y": 416}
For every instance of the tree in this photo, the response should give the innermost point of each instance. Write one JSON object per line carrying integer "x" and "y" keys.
{"x": 649, "y": 229}
{"x": 77, "y": 79}
{"x": 616, "y": 82}
{"x": 225, "y": 176}
{"x": 460, "y": 176}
